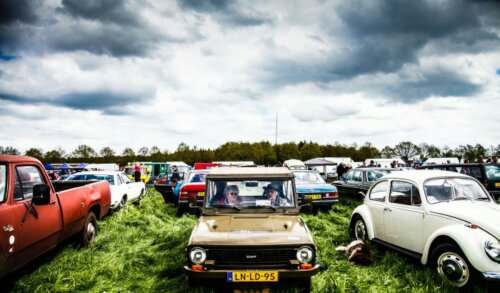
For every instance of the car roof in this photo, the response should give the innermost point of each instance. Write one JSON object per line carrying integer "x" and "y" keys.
{"x": 420, "y": 176}
{"x": 98, "y": 173}
{"x": 257, "y": 172}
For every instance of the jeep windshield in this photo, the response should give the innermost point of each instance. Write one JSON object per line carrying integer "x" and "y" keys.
{"x": 253, "y": 193}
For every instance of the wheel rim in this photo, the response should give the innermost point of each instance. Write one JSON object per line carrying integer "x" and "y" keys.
{"x": 360, "y": 230}
{"x": 122, "y": 203}
{"x": 91, "y": 231}
{"x": 454, "y": 268}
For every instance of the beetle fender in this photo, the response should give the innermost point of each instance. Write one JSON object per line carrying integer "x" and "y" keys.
{"x": 365, "y": 214}
{"x": 469, "y": 240}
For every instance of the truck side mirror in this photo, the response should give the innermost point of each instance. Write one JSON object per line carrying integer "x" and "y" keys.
{"x": 41, "y": 194}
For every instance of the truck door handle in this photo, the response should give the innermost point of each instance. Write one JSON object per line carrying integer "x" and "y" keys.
{"x": 53, "y": 202}
{"x": 387, "y": 209}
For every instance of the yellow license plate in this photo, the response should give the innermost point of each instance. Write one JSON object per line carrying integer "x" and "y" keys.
{"x": 201, "y": 193}
{"x": 266, "y": 276}
{"x": 314, "y": 196}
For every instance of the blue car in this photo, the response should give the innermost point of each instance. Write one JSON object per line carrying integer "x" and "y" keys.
{"x": 313, "y": 189}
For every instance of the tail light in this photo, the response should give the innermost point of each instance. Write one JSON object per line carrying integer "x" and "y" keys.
{"x": 332, "y": 194}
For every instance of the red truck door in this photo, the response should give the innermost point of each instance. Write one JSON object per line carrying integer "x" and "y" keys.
{"x": 28, "y": 231}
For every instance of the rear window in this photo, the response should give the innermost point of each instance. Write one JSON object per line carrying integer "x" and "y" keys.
{"x": 492, "y": 172}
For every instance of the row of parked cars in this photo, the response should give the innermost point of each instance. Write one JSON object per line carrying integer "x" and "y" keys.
{"x": 444, "y": 219}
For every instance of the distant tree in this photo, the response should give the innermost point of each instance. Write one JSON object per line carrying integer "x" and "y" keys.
{"x": 84, "y": 152}
{"x": 428, "y": 151}
{"x": 387, "y": 152}
{"x": 154, "y": 150}
{"x": 286, "y": 151}
{"x": 310, "y": 150}
{"x": 128, "y": 152}
{"x": 406, "y": 150}
{"x": 496, "y": 151}
{"x": 35, "y": 152}
{"x": 143, "y": 151}
{"x": 107, "y": 152}
{"x": 55, "y": 156}
{"x": 366, "y": 151}
{"x": 9, "y": 151}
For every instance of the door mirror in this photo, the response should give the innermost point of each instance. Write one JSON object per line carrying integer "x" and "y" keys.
{"x": 41, "y": 194}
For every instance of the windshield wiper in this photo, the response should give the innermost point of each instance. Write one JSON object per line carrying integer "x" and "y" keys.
{"x": 462, "y": 198}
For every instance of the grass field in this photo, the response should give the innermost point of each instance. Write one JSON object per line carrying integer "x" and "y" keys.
{"x": 141, "y": 249}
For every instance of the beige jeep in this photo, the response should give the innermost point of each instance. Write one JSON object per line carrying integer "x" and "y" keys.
{"x": 250, "y": 234}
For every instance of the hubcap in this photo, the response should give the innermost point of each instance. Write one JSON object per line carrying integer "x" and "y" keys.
{"x": 90, "y": 232}
{"x": 360, "y": 230}
{"x": 454, "y": 268}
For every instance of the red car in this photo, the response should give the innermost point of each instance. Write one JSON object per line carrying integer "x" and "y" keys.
{"x": 193, "y": 187}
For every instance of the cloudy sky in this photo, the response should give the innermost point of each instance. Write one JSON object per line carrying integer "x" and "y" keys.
{"x": 133, "y": 73}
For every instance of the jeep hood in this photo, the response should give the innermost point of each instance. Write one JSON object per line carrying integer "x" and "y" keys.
{"x": 254, "y": 229}
{"x": 485, "y": 215}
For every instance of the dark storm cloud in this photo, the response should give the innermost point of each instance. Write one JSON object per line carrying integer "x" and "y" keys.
{"x": 382, "y": 36}
{"x": 113, "y": 11}
{"x": 228, "y": 12}
{"x": 442, "y": 84}
{"x": 105, "y": 102}
{"x": 17, "y": 10}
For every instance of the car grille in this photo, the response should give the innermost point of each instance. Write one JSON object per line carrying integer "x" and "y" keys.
{"x": 252, "y": 256}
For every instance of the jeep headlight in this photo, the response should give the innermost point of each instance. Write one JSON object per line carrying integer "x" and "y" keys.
{"x": 305, "y": 254}
{"x": 492, "y": 250}
{"x": 197, "y": 255}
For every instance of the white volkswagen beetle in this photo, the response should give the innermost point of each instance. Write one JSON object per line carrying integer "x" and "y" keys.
{"x": 123, "y": 190}
{"x": 445, "y": 219}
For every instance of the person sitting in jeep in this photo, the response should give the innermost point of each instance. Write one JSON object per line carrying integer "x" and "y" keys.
{"x": 272, "y": 192}
{"x": 230, "y": 197}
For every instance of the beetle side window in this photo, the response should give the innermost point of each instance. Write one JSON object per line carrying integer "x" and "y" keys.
{"x": 24, "y": 180}
{"x": 3, "y": 182}
{"x": 404, "y": 193}
{"x": 379, "y": 191}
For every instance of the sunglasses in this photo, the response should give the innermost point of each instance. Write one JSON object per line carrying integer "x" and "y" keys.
{"x": 232, "y": 193}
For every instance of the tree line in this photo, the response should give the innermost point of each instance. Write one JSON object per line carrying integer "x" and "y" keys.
{"x": 262, "y": 153}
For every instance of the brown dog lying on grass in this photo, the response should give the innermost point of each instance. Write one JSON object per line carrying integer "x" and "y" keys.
{"x": 358, "y": 252}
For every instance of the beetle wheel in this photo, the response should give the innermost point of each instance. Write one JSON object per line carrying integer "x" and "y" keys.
{"x": 359, "y": 231}
{"x": 451, "y": 263}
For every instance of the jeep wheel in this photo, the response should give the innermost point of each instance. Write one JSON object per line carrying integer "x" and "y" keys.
{"x": 89, "y": 230}
{"x": 451, "y": 263}
{"x": 358, "y": 230}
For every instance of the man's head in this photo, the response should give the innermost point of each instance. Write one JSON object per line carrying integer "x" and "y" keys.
{"x": 272, "y": 190}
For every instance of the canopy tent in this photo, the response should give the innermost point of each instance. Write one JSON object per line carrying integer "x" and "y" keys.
{"x": 320, "y": 162}
{"x": 64, "y": 166}
{"x": 48, "y": 166}
{"x": 81, "y": 166}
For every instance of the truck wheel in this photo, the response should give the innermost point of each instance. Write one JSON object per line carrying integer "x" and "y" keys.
{"x": 451, "y": 263}
{"x": 89, "y": 230}
{"x": 358, "y": 229}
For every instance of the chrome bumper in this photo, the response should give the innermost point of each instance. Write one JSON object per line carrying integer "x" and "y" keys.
{"x": 491, "y": 276}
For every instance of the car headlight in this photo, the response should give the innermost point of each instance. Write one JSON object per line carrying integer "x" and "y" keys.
{"x": 493, "y": 250}
{"x": 197, "y": 255}
{"x": 305, "y": 254}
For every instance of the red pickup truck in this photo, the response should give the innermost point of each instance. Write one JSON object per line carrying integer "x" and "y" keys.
{"x": 36, "y": 215}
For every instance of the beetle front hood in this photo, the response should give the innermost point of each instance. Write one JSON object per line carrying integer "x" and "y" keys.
{"x": 251, "y": 229}
{"x": 485, "y": 215}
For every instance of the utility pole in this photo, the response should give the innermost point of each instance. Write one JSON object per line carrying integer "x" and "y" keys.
{"x": 276, "y": 131}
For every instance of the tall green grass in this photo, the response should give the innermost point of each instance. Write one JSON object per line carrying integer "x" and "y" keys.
{"x": 141, "y": 249}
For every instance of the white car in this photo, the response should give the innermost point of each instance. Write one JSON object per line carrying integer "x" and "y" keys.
{"x": 123, "y": 190}
{"x": 445, "y": 219}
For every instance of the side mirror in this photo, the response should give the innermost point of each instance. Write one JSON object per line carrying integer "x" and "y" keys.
{"x": 41, "y": 194}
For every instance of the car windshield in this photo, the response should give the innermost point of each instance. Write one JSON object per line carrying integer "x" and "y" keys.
{"x": 99, "y": 177}
{"x": 308, "y": 177}
{"x": 448, "y": 189}
{"x": 374, "y": 175}
{"x": 249, "y": 194}
{"x": 196, "y": 177}
{"x": 492, "y": 172}
{"x": 3, "y": 176}
{"x": 129, "y": 170}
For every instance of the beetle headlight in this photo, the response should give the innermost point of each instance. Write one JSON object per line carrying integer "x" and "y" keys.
{"x": 492, "y": 250}
{"x": 305, "y": 254}
{"x": 197, "y": 255}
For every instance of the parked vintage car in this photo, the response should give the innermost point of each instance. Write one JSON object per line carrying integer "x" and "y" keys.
{"x": 312, "y": 188}
{"x": 244, "y": 241}
{"x": 444, "y": 219}
{"x": 487, "y": 174}
{"x": 359, "y": 180}
{"x": 123, "y": 190}
{"x": 36, "y": 214}
{"x": 193, "y": 187}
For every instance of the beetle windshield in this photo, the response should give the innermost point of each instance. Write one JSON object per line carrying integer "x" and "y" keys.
{"x": 447, "y": 189}
{"x": 249, "y": 193}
